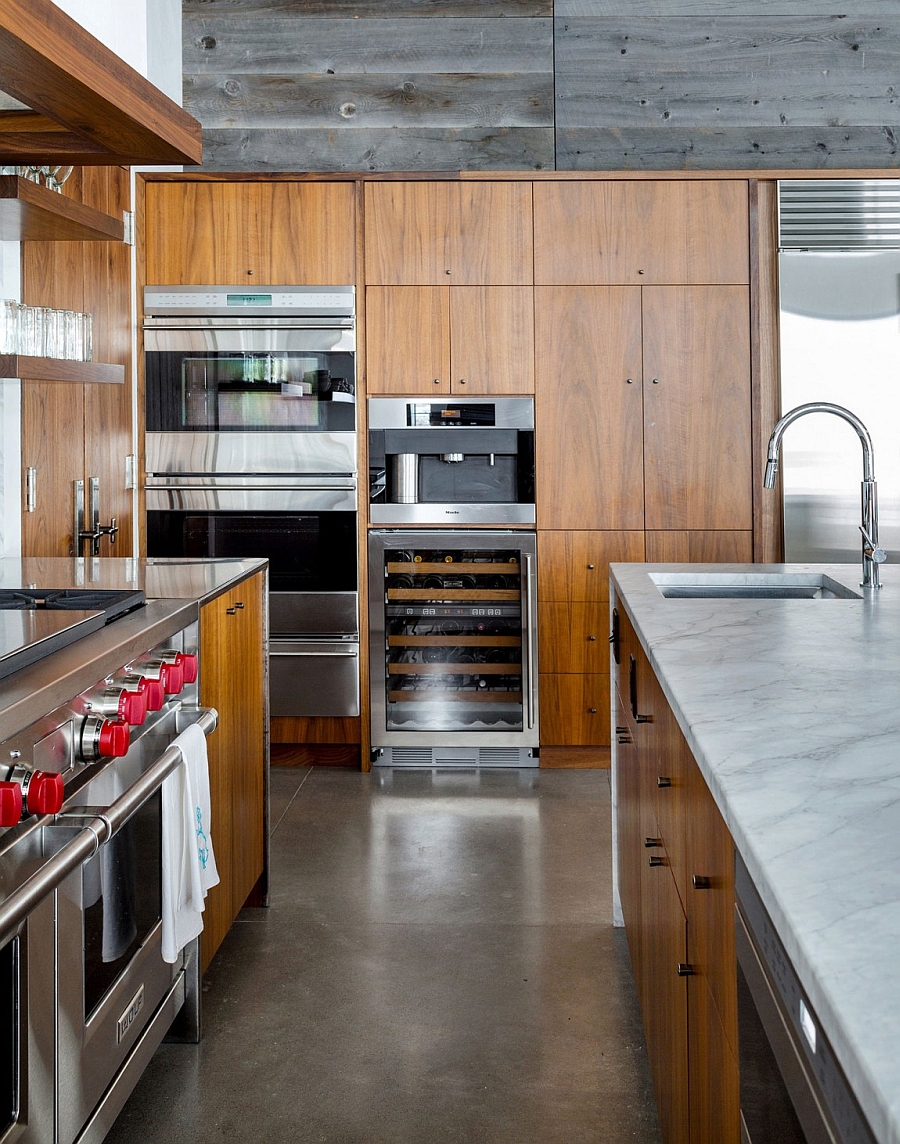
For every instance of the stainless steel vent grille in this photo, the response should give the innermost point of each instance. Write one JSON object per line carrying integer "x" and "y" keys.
{"x": 457, "y": 757}
{"x": 839, "y": 214}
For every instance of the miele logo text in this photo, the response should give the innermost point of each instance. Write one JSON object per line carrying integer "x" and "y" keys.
{"x": 451, "y": 512}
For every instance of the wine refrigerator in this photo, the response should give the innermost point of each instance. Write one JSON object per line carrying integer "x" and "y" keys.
{"x": 452, "y": 619}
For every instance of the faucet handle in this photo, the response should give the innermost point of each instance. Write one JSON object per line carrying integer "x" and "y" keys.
{"x": 875, "y": 554}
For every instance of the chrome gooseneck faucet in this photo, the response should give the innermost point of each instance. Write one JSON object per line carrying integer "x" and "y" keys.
{"x": 872, "y": 555}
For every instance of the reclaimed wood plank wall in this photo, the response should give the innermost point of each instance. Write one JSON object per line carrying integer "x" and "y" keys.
{"x": 359, "y": 85}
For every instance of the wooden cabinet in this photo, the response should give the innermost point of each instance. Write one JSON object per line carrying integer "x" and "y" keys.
{"x": 573, "y": 623}
{"x": 676, "y": 887}
{"x": 642, "y": 406}
{"x": 588, "y": 408}
{"x": 439, "y": 233}
{"x": 450, "y": 339}
{"x": 697, "y": 438}
{"x": 641, "y": 231}
{"x": 73, "y": 431}
{"x": 232, "y": 650}
{"x": 253, "y": 233}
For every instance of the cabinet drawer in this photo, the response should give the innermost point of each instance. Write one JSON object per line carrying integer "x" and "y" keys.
{"x": 573, "y": 567}
{"x": 573, "y": 638}
{"x": 574, "y": 710}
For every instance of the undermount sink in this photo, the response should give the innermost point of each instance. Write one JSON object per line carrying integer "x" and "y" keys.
{"x": 750, "y": 586}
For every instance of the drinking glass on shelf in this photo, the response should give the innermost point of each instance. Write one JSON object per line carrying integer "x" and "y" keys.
{"x": 9, "y": 340}
{"x": 29, "y": 345}
{"x": 87, "y": 337}
{"x": 48, "y": 332}
{"x": 69, "y": 335}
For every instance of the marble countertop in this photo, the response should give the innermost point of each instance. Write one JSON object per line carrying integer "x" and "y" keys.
{"x": 160, "y": 579}
{"x": 792, "y": 710}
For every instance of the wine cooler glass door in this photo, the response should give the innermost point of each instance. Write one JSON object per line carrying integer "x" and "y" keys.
{"x": 457, "y": 644}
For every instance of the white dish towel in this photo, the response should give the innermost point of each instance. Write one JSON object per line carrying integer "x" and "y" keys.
{"x": 188, "y": 863}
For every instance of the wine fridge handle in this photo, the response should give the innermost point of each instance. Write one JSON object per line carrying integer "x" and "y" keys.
{"x": 532, "y": 641}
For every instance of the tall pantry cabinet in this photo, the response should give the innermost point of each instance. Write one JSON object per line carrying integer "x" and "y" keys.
{"x": 642, "y": 399}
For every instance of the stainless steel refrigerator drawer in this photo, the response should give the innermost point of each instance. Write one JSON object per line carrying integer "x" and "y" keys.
{"x": 313, "y": 677}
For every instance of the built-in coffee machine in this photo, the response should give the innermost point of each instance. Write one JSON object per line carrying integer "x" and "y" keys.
{"x": 451, "y": 462}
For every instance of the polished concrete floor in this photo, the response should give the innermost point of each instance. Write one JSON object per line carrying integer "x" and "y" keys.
{"x": 437, "y": 965}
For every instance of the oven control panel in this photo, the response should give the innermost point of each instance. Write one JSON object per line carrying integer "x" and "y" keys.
{"x": 103, "y": 723}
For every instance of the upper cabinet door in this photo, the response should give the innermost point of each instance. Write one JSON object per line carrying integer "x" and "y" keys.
{"x": 641, "y": 232}
{"x": 407, "y": 339}
{"x": 588, "y": 435}
{"x": 697, "y": 443}
{"x": 225, "y": 234}
{"x": 492, "y": 339}
{"x": 448, "y": 233}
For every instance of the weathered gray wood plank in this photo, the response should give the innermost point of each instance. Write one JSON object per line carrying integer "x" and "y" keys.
{"x": 677, "y": 148}
{"x": 296, "y": 45}
{"x": 703, "y": 9}
{"x": 368, "y": 101}
{"x": 725, "y": 73}
{"x": 351, "y": 9}
{"x": 379, "y": 149}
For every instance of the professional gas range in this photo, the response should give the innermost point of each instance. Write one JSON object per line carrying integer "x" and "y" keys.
{"x": 95, "y": 687}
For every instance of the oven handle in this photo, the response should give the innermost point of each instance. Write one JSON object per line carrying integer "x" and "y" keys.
{"x": 349, "y": 486}
{"x": 96, "y": 831}
{"x": 315, "y": 654}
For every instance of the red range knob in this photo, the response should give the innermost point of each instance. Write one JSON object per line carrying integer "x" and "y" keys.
{"x": 44, "y": 793}
{"x": 190, "y": 666}
{"x": 173, "y": 677}
{"x": 10, "y": 804}
{"x": 114, "y": 739}
{"x": 154, "y": 692}
{"x": 133, "y": 707}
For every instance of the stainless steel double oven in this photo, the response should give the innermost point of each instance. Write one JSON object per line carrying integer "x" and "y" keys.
{"x": 251, "y": 451}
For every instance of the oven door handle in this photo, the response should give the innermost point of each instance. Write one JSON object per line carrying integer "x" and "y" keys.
{"x": 16, "y": 907}
{"x": 275, "y": 654}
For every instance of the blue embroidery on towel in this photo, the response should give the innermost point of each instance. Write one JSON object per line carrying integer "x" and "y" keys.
{"x": 202, "y": 840}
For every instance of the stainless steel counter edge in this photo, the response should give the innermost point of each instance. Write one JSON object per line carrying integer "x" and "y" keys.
{"x": 32, "y": 692}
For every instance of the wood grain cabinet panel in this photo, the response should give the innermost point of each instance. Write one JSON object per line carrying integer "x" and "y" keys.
{"x": 450, "y": 339}
{"x": 407, "y": 339}
{"x": 714, "y": 1078}
{"x": 492, "y": 339}
{"x": 699, "y": 547}
{"x": 574, "y": 710}
{"x": 642, "y": 231}
{"x": 697, "y": 438}
{"x": 232, "y": 680}
{"x": 265, "y": 233}
{"x": 574, "y": 566}
{"x": 464, "y": 234}
{"x": 573, "y": 638}
{"x": 588, "y": 408}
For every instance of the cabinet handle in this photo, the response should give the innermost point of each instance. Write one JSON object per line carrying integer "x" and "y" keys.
{"x": 685, "y": 970}
{"x": 632, "y": 692}
{"x": 231, "y": 611}
{"x": 238, "y": 604}
{"x": 701, "y": 882}
{"x": 657, "y": 860}
{"x": 621, "y": 730}
{"x": 662, "y": 781}
{"x": 446, "y": 271}
{"x": 592, "y": 710}
{"x": 592, "y": 639}
{"x": 437, "y": 380}
{"x": 643, "y": 718}
{"x": 651, "y": 842}
{"x": 629, "y": 381}
{"x": 462, "y": 381}
{"x": 655, "y": 381}
{"x": 622, "y": 740}
{"x": 590, "y": 567}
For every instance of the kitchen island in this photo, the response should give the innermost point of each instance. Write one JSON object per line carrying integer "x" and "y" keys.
{"x": 791, "y": 709}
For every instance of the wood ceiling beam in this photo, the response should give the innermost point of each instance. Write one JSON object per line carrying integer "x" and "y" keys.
{"x": 63, "y": 73}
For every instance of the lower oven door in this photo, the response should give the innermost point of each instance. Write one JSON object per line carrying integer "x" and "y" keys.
{"x": 111, "y": 908}
{"x": 28, "y": 1031}
{"x": 313, "y": 677}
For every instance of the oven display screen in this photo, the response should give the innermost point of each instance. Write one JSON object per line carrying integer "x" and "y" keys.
{"x": 248, "y": 299}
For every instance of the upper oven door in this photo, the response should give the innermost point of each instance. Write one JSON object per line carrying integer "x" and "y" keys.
{"x": 254, "y": 376}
